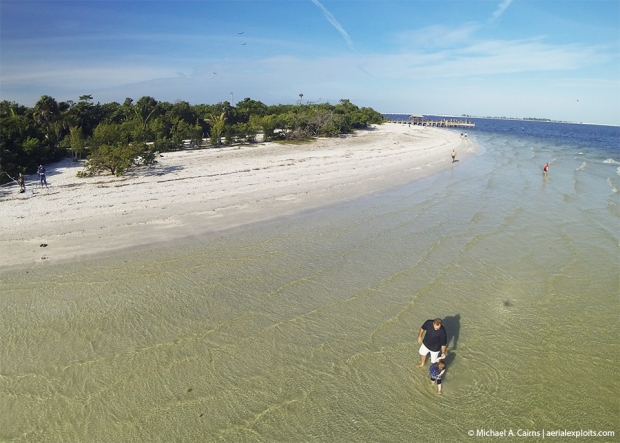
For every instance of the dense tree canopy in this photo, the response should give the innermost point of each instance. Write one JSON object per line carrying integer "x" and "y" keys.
{"x": 113, "y": 136}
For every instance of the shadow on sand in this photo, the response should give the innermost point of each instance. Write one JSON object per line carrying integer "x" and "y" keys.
{"x": 155, "y": 171}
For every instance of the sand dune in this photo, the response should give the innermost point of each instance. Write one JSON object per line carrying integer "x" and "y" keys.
{"x": 193, "y": 192}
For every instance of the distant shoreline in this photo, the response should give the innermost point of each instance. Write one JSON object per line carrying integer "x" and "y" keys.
{"x": 194, "y": 192}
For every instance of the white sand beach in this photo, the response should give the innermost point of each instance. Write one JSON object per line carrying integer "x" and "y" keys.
{"x": 193, "y": 192}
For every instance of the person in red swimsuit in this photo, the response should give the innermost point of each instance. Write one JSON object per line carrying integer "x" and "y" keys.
{"x": 545, "y": 169}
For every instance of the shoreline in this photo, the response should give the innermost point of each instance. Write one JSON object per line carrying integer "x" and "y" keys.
{"x": 192, "y": 193}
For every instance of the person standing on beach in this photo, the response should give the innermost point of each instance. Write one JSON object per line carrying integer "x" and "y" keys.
{"x": 42, "y": 180}
{"x": 435, "y": 340}
{"x": 545, "y": 169}
{"x": 453, "y": 155}
{"x": 21, "y": 182}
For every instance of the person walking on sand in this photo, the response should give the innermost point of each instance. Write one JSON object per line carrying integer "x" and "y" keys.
{"x": 21, "y": 182}
{"x": 435, "y": 340}
{"x": 42, "y": 180}
{"x": 453, "y": 155}
{"x": 545, "y": 169}
{"x": 437, "y": 370}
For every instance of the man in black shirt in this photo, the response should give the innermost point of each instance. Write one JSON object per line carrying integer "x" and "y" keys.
{"x": 435, "y": 340}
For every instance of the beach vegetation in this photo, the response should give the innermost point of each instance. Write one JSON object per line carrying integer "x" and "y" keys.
{"x": 145, "y": 110}
{"x": 322, "y": 122}
{"x": 18, "y": 150}
{"x": 230, "y": 135}
{"x": 114, "y": 148}
{"x": 112, "y": 136}
{"x": 82, "y": 114}
{"x": 46, "y": 113}
{"x": 268, "y": 125}
{"x": 77, "y": 142}
{"x": 216, "y": 123}
{"x": 246, "y": 132}
{"x": 117, "y": 158}
{"x": 181, "y": 130}
{"x": 33, "y": 147}
{"x": 248, "y": 107}
{"x": 110, "y": 113}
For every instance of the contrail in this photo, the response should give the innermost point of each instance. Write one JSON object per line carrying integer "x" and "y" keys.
{"x": 328, "y": 15}
{"x": 500, "y": 9}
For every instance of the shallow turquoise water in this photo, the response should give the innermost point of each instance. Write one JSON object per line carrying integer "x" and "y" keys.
{"x": 304, "y": 329}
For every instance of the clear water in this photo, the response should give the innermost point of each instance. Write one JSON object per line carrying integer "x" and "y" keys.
{"x": 304, "y": 329}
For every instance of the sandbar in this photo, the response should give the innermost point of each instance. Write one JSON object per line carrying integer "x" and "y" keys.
{"x": 193, "y": 192}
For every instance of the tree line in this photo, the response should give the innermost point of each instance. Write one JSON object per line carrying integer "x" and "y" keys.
{"x": 114, "y": 137}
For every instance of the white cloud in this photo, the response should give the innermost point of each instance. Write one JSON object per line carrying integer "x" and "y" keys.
{"x": 438, "y": 35}
{"x": 271, "y": 76}
{"x": 79, "y": 76}
{"x": 483, "y": 57}
{"x": 500, "y": 9}
{"x": 501, "y": 57}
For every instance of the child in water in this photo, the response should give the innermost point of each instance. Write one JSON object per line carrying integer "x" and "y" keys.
{"x": 437, "y": 370}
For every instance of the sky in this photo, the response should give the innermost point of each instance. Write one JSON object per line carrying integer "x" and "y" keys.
{"x": 557, "y": 59}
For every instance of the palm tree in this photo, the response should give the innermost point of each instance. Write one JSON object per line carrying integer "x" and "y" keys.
{"x": 217, "y": 123}
{"x": 145, "y": 109}
{"x": 47, "y": 113}
{"x": 82, "y": 114}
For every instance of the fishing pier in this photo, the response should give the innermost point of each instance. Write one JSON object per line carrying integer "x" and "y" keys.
{"x": 420, "y": 120}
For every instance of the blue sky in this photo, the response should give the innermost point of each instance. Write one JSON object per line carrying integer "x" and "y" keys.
{"x": 520, "y": 58}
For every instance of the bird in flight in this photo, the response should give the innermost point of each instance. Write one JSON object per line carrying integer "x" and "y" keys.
{"x": 240, "y": 32}
{"x": 243, "y": 44}
{"x": 215, "y": 72}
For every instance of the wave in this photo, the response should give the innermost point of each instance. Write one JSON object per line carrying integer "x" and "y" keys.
{"x": 612, "y": 161}
{"x": 611, "y": 183}
{"x": 582, "y": 167}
